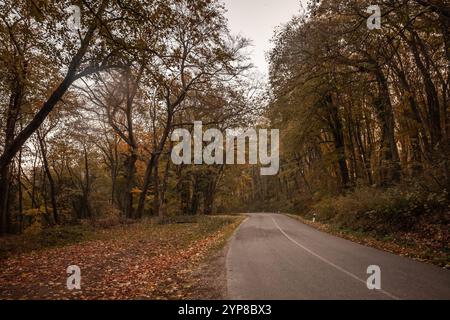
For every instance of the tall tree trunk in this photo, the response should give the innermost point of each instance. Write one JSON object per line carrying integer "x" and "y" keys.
{"x": 114, "y": 173}
{"x": 48, "y": 173}
{"x": 86, "y": 205}
{"x": 145, "y": 186}
{"x": 434, "y": 112}
{"x": 195, "y": 199}
{"x": 185, "y": 195}
{"x": 164, "y": 187}
{"x": 4, "y": 200}
{"x": 210, "y": 194}
{"x": 417, "y": 125}
{"x": 14, "y": 106}
{"x": 335, "y": 125}
{"x": 156, "y": 184}
{"x": 130, "y": 183}
{"x": 19, "y": 181}
{"x": 390, "y": 167}
{"x": 153, "y": 162}
{"x": 363, "y": 153}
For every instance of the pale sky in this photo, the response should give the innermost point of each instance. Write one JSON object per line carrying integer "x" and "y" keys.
{"x": 257, "y": 20}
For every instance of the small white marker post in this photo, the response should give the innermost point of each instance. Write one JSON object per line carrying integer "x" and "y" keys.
{"x": 314, "y": 217}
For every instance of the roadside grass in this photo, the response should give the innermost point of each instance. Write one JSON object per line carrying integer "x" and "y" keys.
{"x": 145, "y": 260}
{"x": 59, "y": 236}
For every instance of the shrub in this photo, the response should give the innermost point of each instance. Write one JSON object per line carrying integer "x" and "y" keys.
{"x": 381, "y": 211}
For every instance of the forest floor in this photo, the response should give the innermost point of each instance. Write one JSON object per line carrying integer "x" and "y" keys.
{"x": 430, "y": 247}
{"x": 138, "y": 261}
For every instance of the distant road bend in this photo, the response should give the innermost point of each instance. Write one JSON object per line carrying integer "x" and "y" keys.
{"x": 276, "y": 257}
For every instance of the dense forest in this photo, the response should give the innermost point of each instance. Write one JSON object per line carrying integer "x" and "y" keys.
{"x": 364, "y": 115}
{"x": 88, "y": 111}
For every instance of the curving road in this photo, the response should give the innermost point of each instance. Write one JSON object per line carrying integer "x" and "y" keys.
{"x": 275, "y": 257}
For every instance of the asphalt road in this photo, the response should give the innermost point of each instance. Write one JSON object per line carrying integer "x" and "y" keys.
{"x": 275, "y": 257}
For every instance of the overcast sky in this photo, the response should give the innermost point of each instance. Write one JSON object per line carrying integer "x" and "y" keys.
{"x": 257, "y": 20}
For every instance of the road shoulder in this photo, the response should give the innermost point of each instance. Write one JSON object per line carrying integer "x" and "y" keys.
{"x": 210, "y": 280}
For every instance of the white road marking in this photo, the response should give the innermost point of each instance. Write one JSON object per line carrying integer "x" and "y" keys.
{"x": 329, "y": 262}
